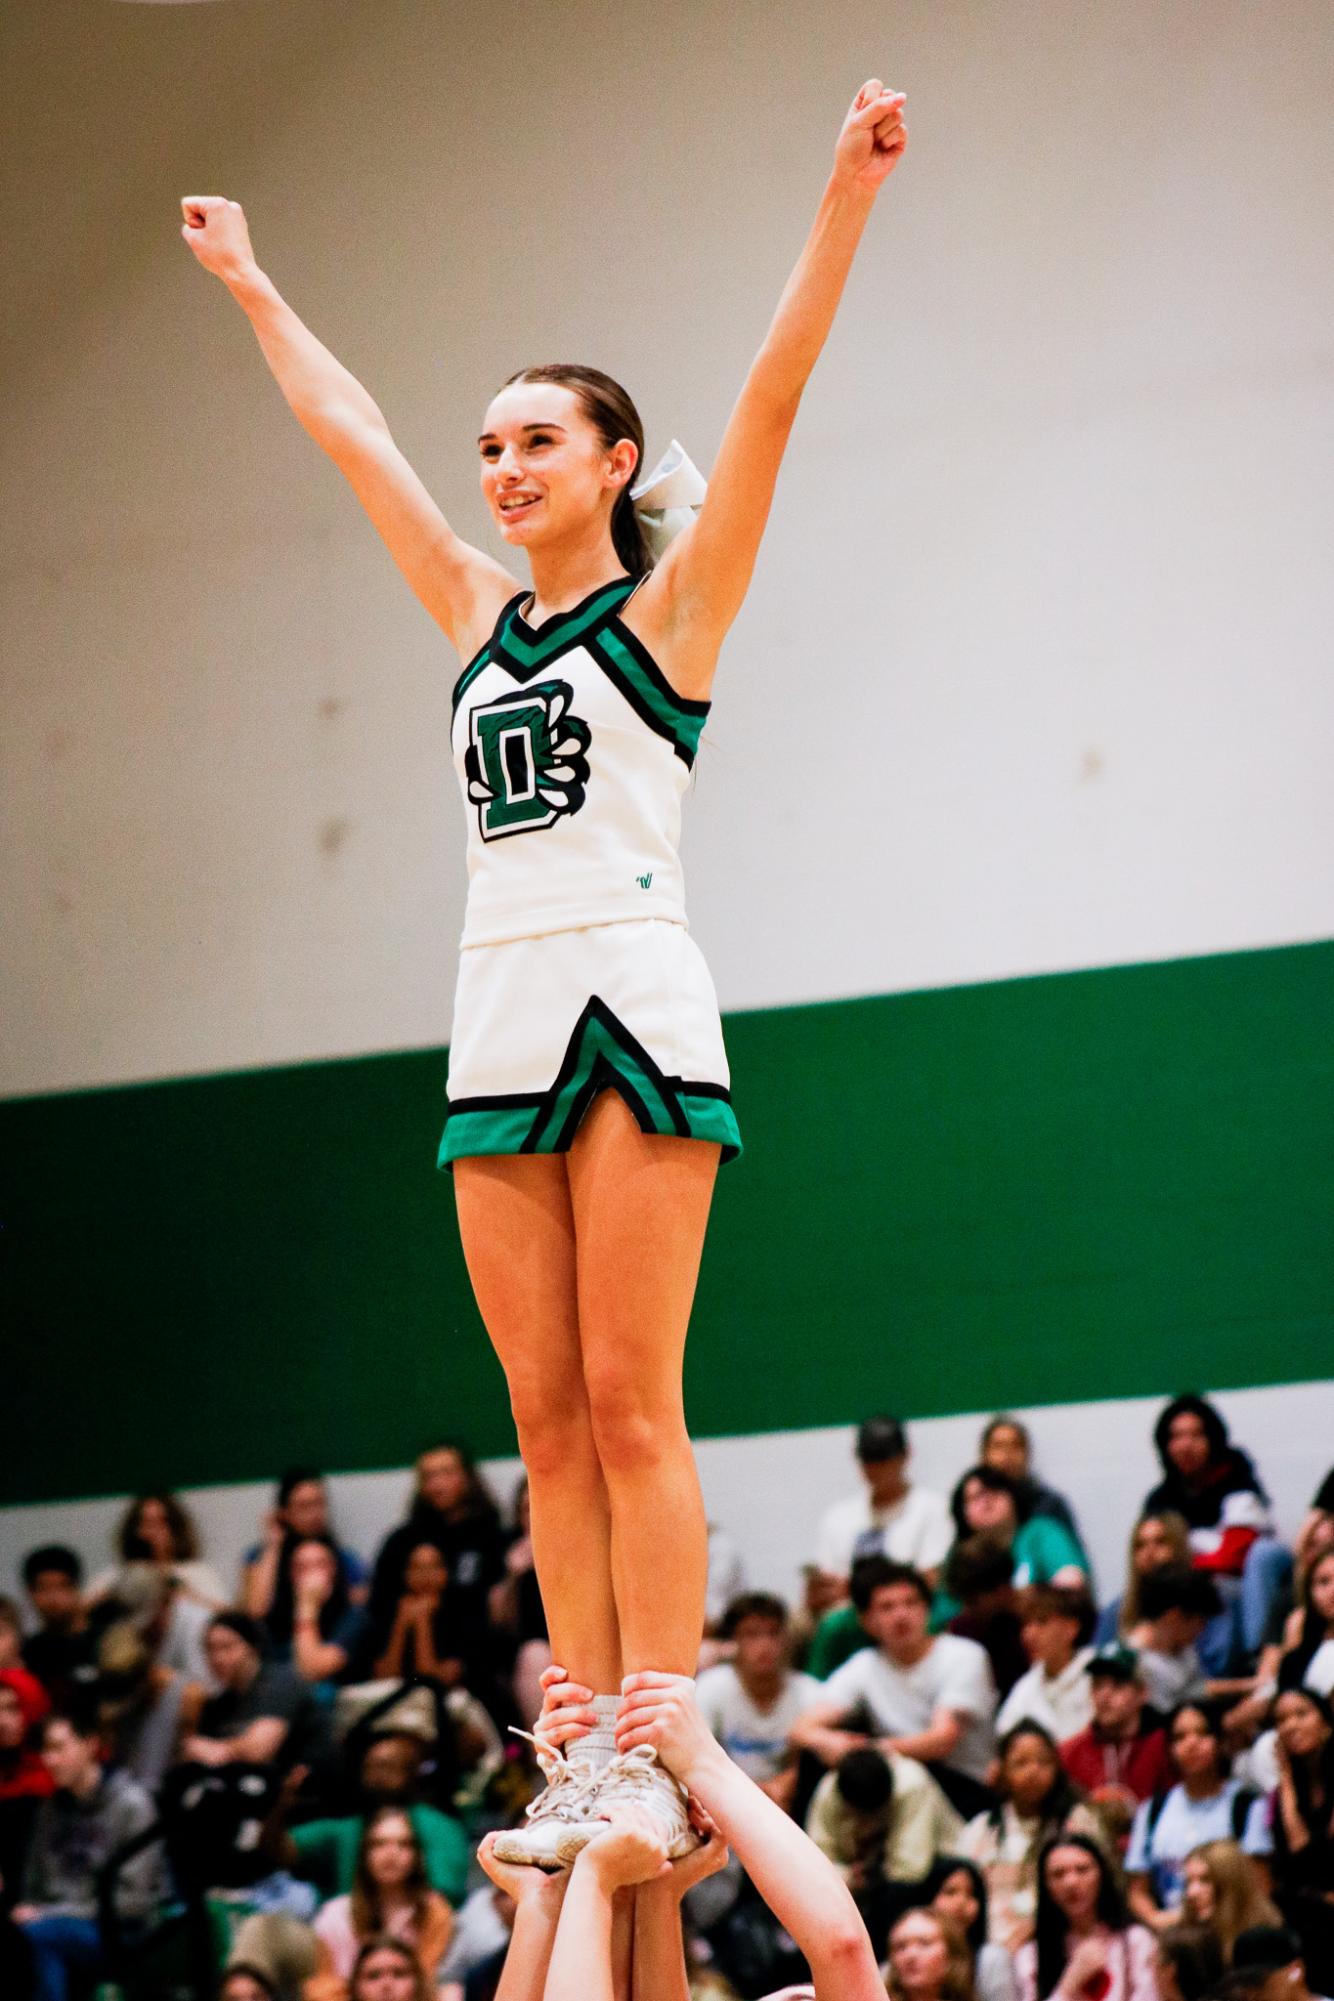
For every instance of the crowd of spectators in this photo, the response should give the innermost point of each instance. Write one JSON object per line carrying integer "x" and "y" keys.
{"x": 1030, "y": 1794}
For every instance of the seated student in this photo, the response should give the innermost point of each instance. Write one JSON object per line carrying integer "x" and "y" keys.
{"x": 173, "y": 1626}
{"x": 434, "y": 1630}
{"x": 751, "y": 1702}
{"x": 89, "y": 1816}
{"x": 1308, "y": 1660}
{"x": 979, "y": 1575}
{"x": 1213, "y": 1484}
{"x": 63, "y": 1652}
{"x": 451, "y": 1508}
{"x": 890, "y": 1517}
{"x": 300, "y": 1513}
{"x": 138, "y": 1701}
{"x": 927, "y": 1697}
{"x": 390, "y": 1774}
{"x": 957, "y": 1890}
{"x": 1303, "y": 1825}
{"x": 1084, "y": 1946}
{"x": 1007, "y": 1445}
{"x": 1205, "y": 1804}
{"x": 1189, "y": 1964}
{"x": 1057, "y": 1621}
{"x": 1120, "y": 1759}
{"x": 1176, "y": 1604}
{"x": 324, "y": 1628}
{"x": 1035, "y": 1801}
{"x": 881, "y": 1821}
{"x": 24, "y": 1778}
{"x": 988, "y": 1502}
{"x": 158, "y": 1529}
{"x": 386, "y": 1969}
{"x": 1273, "y": 1955}
{"x": 389, "y": 1895}
{"x": 929, "y": 1959}
{"x": 261, "y": 1714}
{"x": 1155, "y": 1542}
{"x": 840, "y": 1633}
{"x": 1220, "y": 1888}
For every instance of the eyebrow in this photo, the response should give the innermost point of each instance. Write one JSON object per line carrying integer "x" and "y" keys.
{"x": 490, "y": 438}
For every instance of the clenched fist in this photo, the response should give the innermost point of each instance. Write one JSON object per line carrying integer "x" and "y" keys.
{"x": 874, "y": 135}
{"x": 215, "y": 230}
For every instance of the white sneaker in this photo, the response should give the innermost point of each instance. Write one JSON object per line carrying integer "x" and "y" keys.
{"x": 633, "y": 1778}
{"x": 568, "y": 1799}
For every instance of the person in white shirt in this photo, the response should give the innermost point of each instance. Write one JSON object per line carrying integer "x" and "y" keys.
{"x": 1057, "y": 1624}
{"x": 751, "y": 1702}
{"x": 926, "y": 1697}
{"x": 890, "y": 1517}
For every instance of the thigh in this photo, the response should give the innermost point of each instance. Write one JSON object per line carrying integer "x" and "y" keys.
{"x": 640, "y": 1204}
{"x": 517, "y": 1227}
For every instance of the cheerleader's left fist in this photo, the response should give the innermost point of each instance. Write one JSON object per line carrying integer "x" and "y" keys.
{"x": 874, "y": 135}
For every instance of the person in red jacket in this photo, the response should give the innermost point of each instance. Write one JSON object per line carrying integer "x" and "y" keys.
{"x": 1116, "y": 1760}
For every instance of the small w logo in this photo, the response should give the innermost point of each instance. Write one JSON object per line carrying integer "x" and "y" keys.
{"x": 644, "y": 881}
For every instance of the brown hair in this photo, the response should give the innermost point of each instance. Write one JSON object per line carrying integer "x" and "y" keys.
{"x": 958, "y": 1982}
{"x": 1177, "y": 1531}
{"x": 367, "y": 1916}
{"x": 1239, "y": 1902}
{"x": 383, "y": 1942}
{"x": 613, "y": 416}
{"x": 184, "y": 1538}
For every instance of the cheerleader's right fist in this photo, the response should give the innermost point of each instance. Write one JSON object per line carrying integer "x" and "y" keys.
{"x": 215, "y": 230}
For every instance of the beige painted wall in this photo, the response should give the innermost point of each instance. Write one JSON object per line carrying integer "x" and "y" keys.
{"x": 1035, "y": 670}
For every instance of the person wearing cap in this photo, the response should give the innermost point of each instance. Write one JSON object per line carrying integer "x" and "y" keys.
{"x": 890, "y": 1517}
{"x": 1117, "y": 1760}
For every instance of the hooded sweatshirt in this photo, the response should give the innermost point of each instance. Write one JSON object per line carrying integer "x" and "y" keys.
{"x": 1227, "y": 1509}
{"x": 72, "y": 1839}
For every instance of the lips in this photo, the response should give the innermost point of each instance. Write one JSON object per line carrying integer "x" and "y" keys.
{"x": 514, "y": 505}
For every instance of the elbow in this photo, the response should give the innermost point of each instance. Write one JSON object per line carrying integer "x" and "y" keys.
{"x": 844, "y": 1949}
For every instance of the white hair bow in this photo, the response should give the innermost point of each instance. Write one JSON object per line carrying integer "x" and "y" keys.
{"x": 670, "y": 498}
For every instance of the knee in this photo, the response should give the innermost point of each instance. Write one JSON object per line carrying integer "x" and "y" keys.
{"x": 553, "y": 1427}
{"x": 633, "y": 1429}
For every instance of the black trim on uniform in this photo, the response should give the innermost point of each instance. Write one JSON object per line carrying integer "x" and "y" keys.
{"x": 649, "y": 717}
{"x": 477, "y": 658}
{"x": 634, "y": 644}
{"x": 537, "y": 633}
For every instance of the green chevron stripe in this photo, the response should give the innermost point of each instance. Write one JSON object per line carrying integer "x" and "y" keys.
{"x": 676, "y": 721}
{"x": 564, "y": 631}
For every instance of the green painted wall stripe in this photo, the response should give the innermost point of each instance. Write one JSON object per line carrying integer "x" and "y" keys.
{"x": 1081, "y": 1186}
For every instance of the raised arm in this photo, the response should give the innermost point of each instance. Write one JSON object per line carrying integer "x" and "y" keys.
{"x": 801, "y": 1887}
{"x": 463, "y": 588}
{"x": 684, "y": 610}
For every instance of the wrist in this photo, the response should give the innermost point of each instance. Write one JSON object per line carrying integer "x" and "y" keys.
{"x": 248, "y": 286}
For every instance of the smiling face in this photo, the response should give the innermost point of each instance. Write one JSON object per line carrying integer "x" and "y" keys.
{"x": 919, "y": 1954}
{"x": 546, "y": 473}
{"x": 1072, "y": 1879}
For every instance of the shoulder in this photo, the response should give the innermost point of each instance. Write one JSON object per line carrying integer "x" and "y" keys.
{"x": 954, "y": 1654}
{"x": 716, "y": 1683}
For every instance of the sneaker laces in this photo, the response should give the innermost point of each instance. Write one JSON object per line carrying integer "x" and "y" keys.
{"x": 637, "y": 1776}
{"x": 571, "y": 1782}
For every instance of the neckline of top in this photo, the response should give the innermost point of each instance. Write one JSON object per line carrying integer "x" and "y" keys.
{"x": 556, "y": 618}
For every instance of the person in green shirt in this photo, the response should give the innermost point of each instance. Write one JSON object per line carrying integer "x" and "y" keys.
{"x": 325, "y": 1851}
{"x": 990, "y": 1502}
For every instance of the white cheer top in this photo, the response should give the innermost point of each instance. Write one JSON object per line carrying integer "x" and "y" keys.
{"x": 573, "y": 752}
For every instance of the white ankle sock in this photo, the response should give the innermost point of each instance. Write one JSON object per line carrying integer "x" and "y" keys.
{"x": 599, "y": 1746}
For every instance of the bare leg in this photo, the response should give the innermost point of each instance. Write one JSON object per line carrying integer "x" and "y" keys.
{"x": 517, "y": 1227}
{"x": 641, "y": 1205}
